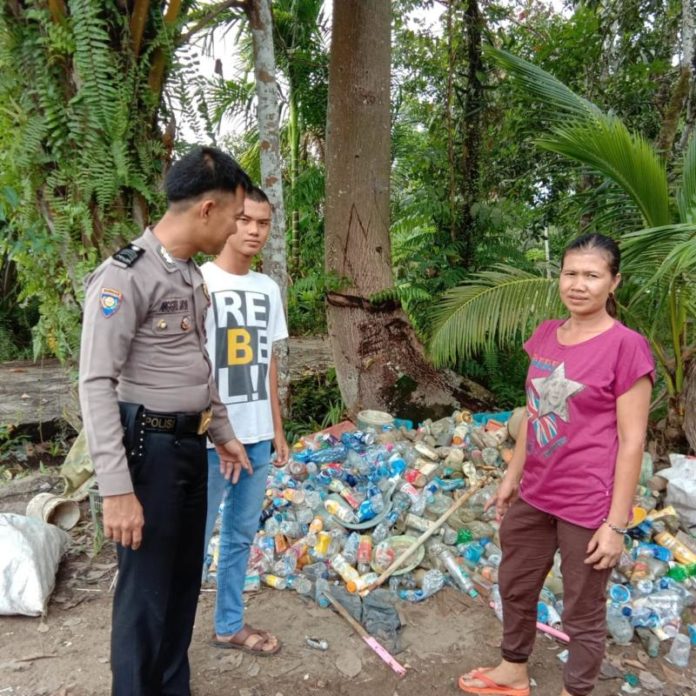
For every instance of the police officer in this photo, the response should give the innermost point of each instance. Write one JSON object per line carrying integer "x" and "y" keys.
{"x": 148, "y": 398}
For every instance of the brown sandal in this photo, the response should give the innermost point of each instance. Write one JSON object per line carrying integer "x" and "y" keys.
{"x": 255, "y": 648}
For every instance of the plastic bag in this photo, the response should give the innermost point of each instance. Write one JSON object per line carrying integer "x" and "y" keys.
{"x": 30, "y": 552}
{"x": 681, "y": 488}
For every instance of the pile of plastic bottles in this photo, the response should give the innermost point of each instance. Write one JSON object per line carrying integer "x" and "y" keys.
{"x": 651, "y": 595}
{"x": 345, "y": 506}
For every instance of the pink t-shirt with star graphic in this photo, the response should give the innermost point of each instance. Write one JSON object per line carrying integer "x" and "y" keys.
{"x": 572, "y": 437}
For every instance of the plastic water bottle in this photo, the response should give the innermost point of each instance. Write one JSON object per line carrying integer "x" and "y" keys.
{"x": 370, "y": 508}
{"x": 274, "y": 581}
{"x": 284, "y": 566}
{"x": 433, "y": 581}
{"x": 342, "y": 512}
{"x": 381, "y": 532}
{"x": 456, "y": 573}
{"x": 350, "y": 548}
{"x": 680, "y": 650}
{"x": 364, "y": 554}
{"x": 649, "y": 641}
{"x": 344, "y": 568}
{"x": 619, "y": 626}
{"x": 497, "y": 602}
{"x": 299, "y": 583}
{"x": 320, "y": 588}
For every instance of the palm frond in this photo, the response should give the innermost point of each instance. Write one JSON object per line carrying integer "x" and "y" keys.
{"x": 645, "y": 250}
{"x": 535, "y": 81}
{"x": 582, "y": 132}
{"x": 686, "y": 195}
{"x": 493, "y": 307}
{"x": 606, "y": 145}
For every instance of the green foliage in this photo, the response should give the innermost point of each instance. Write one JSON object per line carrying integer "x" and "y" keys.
{"x": 316, "y": 404}
{"x": 81, "y": 148}
{"x": 502, "y": 371}
{"x": 307, "y": 302}
{"x": 497, "y": 307}
{"x": 659, "y": 262}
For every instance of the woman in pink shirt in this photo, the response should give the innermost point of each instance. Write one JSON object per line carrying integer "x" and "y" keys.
{"x": 573, "y": 475}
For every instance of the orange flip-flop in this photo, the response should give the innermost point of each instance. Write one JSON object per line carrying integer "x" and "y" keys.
{"x": 490, "y": 688}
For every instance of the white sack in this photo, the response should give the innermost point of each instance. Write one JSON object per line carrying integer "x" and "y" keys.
{"x": 681, "y": 488}
{"x": 30, "y": 551}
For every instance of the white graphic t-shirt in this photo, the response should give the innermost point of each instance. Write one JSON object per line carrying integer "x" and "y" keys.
{"x": 244, "y": 319}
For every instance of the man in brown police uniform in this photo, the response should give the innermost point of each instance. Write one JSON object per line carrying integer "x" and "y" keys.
{"x": 148, "y": 398}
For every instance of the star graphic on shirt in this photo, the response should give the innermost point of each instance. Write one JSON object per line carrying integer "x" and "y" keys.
{"x": 554, "y": 392}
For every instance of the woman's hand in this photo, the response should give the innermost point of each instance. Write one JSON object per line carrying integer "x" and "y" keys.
{"x": 604, "y": 549}
{"x": 504, "y": 496}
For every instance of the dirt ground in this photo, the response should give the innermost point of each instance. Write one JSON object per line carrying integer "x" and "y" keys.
{"x": 66, "y": 654}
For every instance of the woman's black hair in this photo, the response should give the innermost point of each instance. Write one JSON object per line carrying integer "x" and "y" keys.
{"x": 609, "y": 248}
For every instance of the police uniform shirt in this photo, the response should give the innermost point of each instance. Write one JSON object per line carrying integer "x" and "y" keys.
{"x": 143, "y": 341}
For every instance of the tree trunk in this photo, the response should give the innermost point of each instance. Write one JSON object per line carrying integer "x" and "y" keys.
{"x": 472, "y": 117}
{"x": 689, "y": 405}
{"x": 689, "y": 61}
{"x": 379, "y": 362}
{"x": 274, "y": 255}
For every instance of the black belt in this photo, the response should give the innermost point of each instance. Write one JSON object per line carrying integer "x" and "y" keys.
{"x": 181, "y": 424}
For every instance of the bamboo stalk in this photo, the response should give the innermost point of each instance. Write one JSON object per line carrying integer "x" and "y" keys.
{"x": 405, "y": 555}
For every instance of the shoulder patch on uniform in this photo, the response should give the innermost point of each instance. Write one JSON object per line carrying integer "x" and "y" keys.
{"x": 110, "y": 301}
{"x": 128, "y": 255}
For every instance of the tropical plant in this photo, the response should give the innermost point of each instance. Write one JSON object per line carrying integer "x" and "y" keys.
{"x": 83, "y": 92}
{"x": 659, "y": 299}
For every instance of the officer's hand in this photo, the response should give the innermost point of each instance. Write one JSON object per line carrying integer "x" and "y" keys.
{"x": 123, "y": 520}
{"x": 282, "y": 450}
{"x": 233, "y": 458}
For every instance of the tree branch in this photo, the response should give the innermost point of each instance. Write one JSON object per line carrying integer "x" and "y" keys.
{"x": 210, "y": 16}
{"x": 137, "y": 24}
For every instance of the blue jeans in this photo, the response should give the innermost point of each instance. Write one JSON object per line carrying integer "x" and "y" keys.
{"x": 240, "y": 522}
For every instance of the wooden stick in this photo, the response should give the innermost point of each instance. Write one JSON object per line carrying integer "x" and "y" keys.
{"x": 373, "y": 643}
{"x": 397, "y": 562}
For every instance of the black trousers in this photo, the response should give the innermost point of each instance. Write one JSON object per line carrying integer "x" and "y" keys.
{"x": 158, "y": 585}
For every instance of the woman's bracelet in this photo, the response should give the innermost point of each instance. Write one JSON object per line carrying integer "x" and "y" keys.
{"x": 618, "y": 530}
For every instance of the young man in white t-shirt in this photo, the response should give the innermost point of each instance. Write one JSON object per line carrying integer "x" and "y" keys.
{"x": 245, "y": 318}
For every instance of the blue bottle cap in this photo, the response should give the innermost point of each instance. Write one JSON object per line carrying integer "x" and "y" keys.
{"x": 619, "y": 593}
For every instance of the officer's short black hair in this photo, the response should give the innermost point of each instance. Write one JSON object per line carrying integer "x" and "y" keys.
{"x": 201, "y": 170}
{"x": 257, "y": 195}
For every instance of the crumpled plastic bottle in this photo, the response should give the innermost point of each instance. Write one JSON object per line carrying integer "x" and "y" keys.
{"x": 433, "y": 581}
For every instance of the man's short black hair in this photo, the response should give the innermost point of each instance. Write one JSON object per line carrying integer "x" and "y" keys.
{"x": 256, "y": 194}
{"x": 201, "y": 170}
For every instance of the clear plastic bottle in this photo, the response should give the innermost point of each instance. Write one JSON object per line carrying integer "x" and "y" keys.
{"x": 284, "y": 566}
{"x": 433, "y": 581}
{"x": 361, "y": 583}
{"x": 315, "y": 526}
{"x": 274, "y": 581}
{"x": 381, "y": 532}
{"x": 299, "y": 583}
{"x": 344, "y": 568}
{"x": 320, "y": 588}
{"x": 342, "y": 512}
{"x": 649, "y": 641}
{"x": 454, "y": 569}
{"x": 371, "y": 507}
{"x": 497, "y": 602}
{"x": 680, "y": 651}
{"x": 619, "y": 626}
{"x": 350, "y": 548}
{"x": 291, "y": 529}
